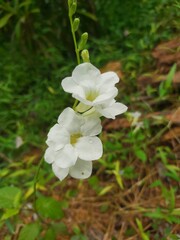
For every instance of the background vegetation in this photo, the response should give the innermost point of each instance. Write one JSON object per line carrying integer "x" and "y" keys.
{"x": 134, "y": 190}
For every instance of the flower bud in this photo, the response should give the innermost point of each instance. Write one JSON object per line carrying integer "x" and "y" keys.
{"x": 72, "y": 9}
{"x": 76, "y": 24}
{"x": 83, "y": 41}
{"x": 85, "y": 55}
{"x": 70, "y": 2}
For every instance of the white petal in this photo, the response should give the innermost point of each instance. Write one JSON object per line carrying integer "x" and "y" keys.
{"x": 50, "y": 155}
{"x": 108, "y": 79}
{"x": 70, "y": 86}
{"x": 89, "y": 148}
{"x": 119, "y": 108}
{"x": 66, "y": 157}
{"x": 112, "y": 110}
{"x": 81, "y": 170}
{"x": 109, "y": 95}
{"x": 58, "y": 137}
{"x": 86, "y": 72}
{"x": 61, "y": 173}
{"x": 102, "y": 98}
{"x": 92, "y": 113}
{"x": 70, "y": 120}
{"x": 82, "y": 99}
{"x": 92, "y": 126}
{"x": 53, "y": 131}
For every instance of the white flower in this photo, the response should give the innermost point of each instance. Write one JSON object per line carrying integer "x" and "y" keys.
{"x": 73, "y": 137}
{"x": 134, "y": 118}
{"x": 81, "y": 170}
{"x": 19, "y": 141}
{"x": 111, "y": 109}
{"x": 94, "y": 90}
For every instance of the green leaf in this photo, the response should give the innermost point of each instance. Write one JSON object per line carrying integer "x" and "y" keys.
{"x": 50, "y": 235}
{"x": 168, "y": 82}
{"x": 113, "y": 146}
{"x": 10, "y": 197}
{"x": 49, "y": 208}
{"x": 117, "y": 174}
{"x": 140, "y": 226}
{"x": 56, "y": 229}
{"x": 4, "y": 20}
{"x": 105, "y": 190}
{"x": 9, "y": 213}
{"x": 9, "y": 226}
{"x": 156, "y": 183}
{"x": 60, "y": 228}
{"x": 173, "y": 174}
{"x": 172, "y": 219}
{"x": 4, "y": 172}
{"x": 157, "y": 214}
{"x": 172, "y": 192}
{"x": 166, "y": 86}
{"x": 7, "y": 237}
{"x": 128, "y": 172}
{"x": 141, "y": 155}
{"x": 79, "y": 237}
{"x": 76, "y": 230}
{"x": 29, "y": 232}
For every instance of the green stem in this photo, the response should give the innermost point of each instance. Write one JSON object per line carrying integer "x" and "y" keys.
{"x": 75, "y": 47}
{"x": 74, "y": 38}
{"x": 35, "y": 186}
{"x": 36, "y": 179}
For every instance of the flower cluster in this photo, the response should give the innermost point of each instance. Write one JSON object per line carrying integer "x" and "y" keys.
{"x": 72, "y": 142}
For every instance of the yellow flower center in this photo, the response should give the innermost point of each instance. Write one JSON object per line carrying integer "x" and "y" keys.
{"x": 74, "y": 138}
{"x": 92, "y": 95}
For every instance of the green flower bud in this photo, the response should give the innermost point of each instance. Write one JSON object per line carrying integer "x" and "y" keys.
{"x": 85, "y": 55}
{"x": 76, "y": 24}
{"x": 83, "y": 41}
{"x": 70, "y": 2}
{"x": 72, "y": 9}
